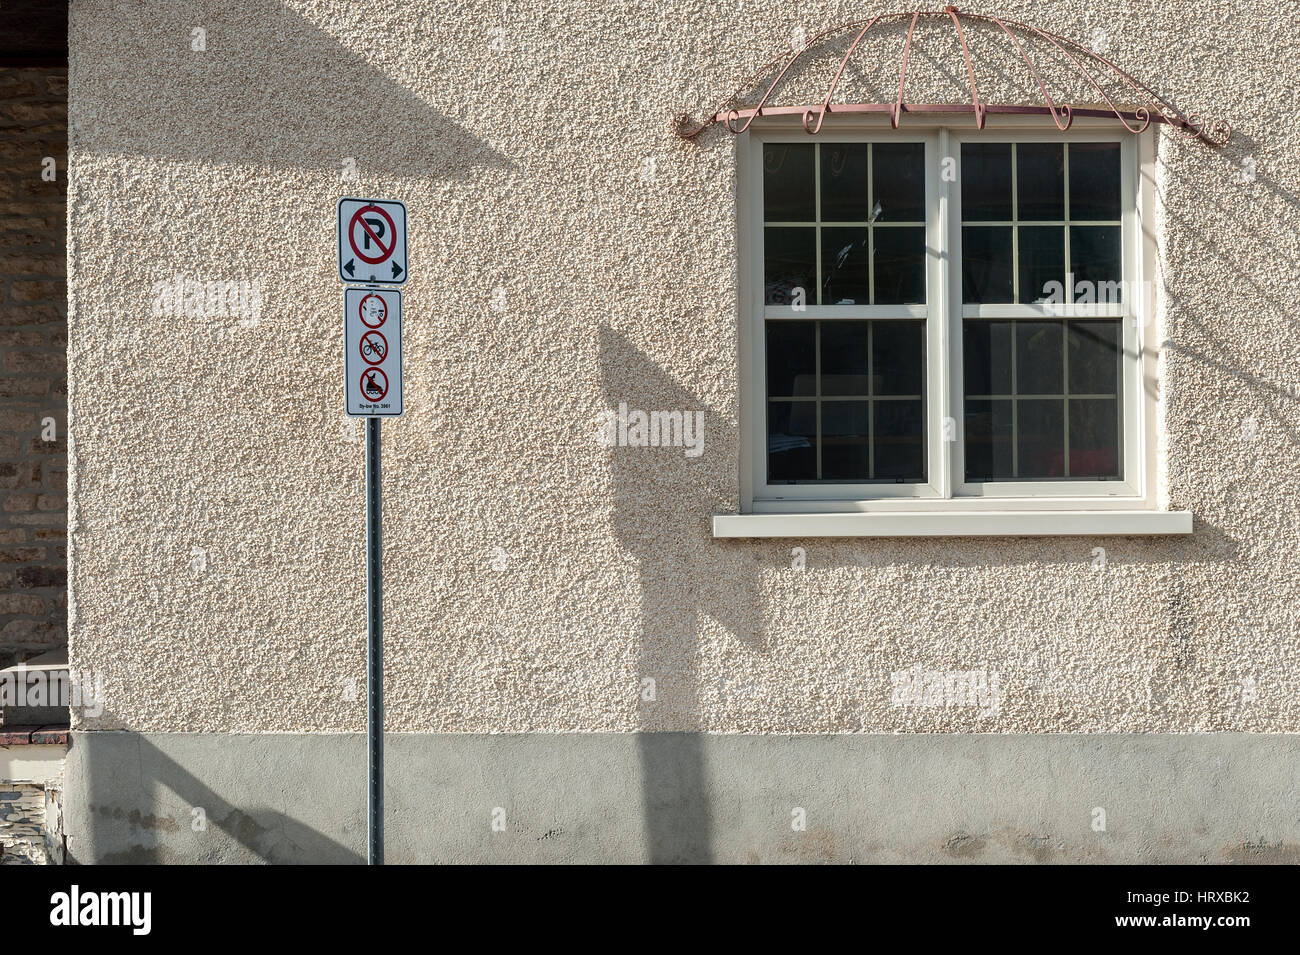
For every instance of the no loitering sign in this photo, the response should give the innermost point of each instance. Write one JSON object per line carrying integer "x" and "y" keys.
{"x": 372, "y": 352}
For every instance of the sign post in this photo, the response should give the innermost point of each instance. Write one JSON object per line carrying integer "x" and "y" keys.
{"x": 372, "y": 250}
{"x": 374, "y": 649}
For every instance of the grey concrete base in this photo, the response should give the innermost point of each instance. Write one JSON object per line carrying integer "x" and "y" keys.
{"x": 668, "y": 797}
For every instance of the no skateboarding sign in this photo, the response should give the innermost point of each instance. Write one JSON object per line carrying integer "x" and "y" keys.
{"x": 372, "y": 241}
{"x": 372, "y": 357}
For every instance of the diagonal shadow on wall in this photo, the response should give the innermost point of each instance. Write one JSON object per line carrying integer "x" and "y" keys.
{"x": 111, "y": 777}
{"x": 268, "y": 88}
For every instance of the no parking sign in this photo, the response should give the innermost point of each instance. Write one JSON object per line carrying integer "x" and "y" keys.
{"x": 372, "y": 241}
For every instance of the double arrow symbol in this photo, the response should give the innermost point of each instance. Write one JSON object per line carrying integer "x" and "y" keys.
{"x": 351, "y": 268}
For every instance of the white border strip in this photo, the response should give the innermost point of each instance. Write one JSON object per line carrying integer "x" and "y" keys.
{"x": 963, "y": 524}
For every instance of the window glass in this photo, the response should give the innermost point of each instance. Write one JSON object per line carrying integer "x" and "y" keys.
{"x": 1094, "y": 182}
{"x": 788, "y": 182}
{"x": 986, "y": 182}
{"x": 846, "y": 266}
{"x": 1046, "y": 238}
{"x": 1095, "y": 261}
{"x": 790, "y": 263}
{"x": 1040, "y": 181}
{"x": 900, "y": 265}
{"x": 899, "y": 181}
{"x": 791, "y": 359}
{"x": 846, "y": 400}
{"x": 791, "y": 432}
{"x": 1042, "y": 398}
{"x": 1042, "y": 262}
{"x": 845, "y": 222}
{"x": 844, "y": 228}
{"x": 986, "y": 267}
{"x": 844, "y": 183}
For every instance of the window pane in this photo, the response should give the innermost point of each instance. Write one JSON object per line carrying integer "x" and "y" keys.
{"x": 988, "y": 440}
{"x": 1094, "y": 357}
{"x": 898, "y": 171}
{"x": 844, "y": 182}
{"x": 900, "y": 265}
{"x": 844, "y": 358}
{"x": 986, "y": 264}
{"x": 790, "y": 362}
{"x": 898, "y": 358}
{"x": 899, "y": 429}
{"x": 1094, "y": 438}
{"x": 986, "y": 351}
{"x": 788, "y": 182}
{"x": 845, "y": 441}
{"x": 1039, "y": 359}
{"x": 846, "y": 274}
{"x": 1094, "y": 259}
{"x": 986, "y": 181}
{"x": 789, "y": 262}
{"x": 1040, "y": 181}
{"x": 1040, "y": 438}
{"x": 1042, "y": 262}
{"x": 1094, "y": 181}
{"x": 791, "y": 431}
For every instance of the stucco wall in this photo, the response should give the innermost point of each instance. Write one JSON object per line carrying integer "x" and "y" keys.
{"x": 569, "y": 253}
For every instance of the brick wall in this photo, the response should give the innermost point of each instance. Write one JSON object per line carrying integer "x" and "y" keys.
{"x": 33, "y": 380}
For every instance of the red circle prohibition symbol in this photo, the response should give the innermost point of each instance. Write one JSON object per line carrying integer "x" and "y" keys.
{"x": 361, "y": 310}
{"x": 370, "y": 347}
{"x": 357, "y": 220}
{"x": 375, "y": 377}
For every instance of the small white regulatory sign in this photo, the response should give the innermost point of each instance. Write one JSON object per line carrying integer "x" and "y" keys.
{"x": 372, "y": 355}
{"x": 372, "y": 241}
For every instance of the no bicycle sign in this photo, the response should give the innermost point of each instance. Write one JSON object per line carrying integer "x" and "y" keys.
{"x": 372, "y": 358}
{"x": 372, "y": 241}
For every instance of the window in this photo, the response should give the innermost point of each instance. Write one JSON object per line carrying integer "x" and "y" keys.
{"x": 945, "y": 320}
{"x": 1042, "y": 399}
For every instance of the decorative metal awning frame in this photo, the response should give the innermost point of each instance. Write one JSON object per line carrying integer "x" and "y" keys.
{"x": 1136, "y": 118}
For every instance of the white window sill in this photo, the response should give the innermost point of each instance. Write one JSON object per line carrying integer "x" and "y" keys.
{"x": 954, "y": 524}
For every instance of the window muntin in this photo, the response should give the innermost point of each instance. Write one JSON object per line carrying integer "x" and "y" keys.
{"x": 1041, "y": 224}
{"x": 1042, "y": 399}
{"x": 1085, "y": 462}
{"x": 844, "y": 231}
{"x": 1033, "y": 213}
{"x": 844, "y": 223}
{"x": 845, "y": 401}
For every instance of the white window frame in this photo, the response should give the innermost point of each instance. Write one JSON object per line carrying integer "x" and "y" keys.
{"x": 944, "y": 502}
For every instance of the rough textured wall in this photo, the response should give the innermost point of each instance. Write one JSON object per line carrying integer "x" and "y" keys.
{"x": 568, "y": 254}
{"x": 33, "y": 342}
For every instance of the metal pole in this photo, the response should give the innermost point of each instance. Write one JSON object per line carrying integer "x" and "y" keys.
{"x": 374, "y": 648}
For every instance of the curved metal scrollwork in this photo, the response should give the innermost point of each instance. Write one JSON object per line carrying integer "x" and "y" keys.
{"x": 1147, "y": 108}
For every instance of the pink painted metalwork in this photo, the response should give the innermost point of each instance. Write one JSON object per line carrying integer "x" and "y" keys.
{"x": 1149, "y": 106}
{"x": 1065, "y": 108}
{"x": 897, "y": 114}
{"x": 826, "y": 103}
{"x": 970, "y": 70}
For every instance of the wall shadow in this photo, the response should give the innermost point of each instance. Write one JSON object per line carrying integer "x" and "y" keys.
{"x": 270, "y": 88}
{"x": 684, "y": 579}
{"x": 113, "y": 786}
